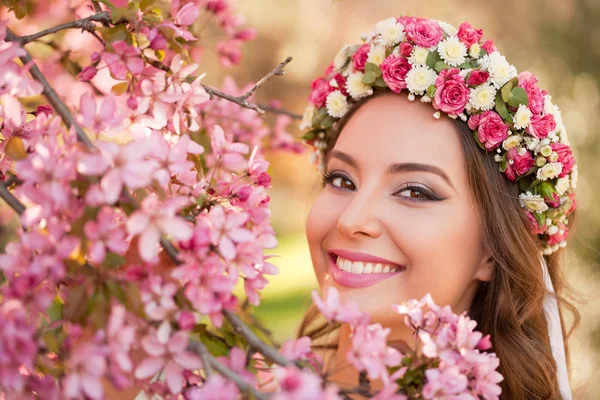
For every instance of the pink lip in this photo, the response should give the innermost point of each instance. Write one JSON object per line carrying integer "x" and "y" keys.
{"x": 354, "y": 280}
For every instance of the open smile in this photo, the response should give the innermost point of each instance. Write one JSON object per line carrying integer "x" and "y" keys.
{"x": 359, "y": 270}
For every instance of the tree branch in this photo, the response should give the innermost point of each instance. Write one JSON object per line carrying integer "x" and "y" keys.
{"x": 85, "y": 24}
{"x": 277, "y": 71}
{"x": 254, "y": 340}
{"x": 10, "y": 199}
{"x": 276, "y": 110}
{"x": 226, "y": 372}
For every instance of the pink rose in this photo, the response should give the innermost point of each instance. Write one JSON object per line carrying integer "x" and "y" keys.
{"x": 329, "y": 69}
{"x": 557, "y": 237}
{"x": 468, "y": 35}
{"x": 424, "y": 33}
{"x": 406, "y": 49}
{"x": 520, "y": 164}
{"x": 320, "y": 90}
{"x": 541, "y": 126}
{"x": 528, "y": 81}
{"x": 452, "y": 94}
{"x": 491, "y": 130}
{"x": 359, "y": 59}
{"x": 565, "y": 157}
{"x": 553, "y": 201}
{"x": 477, "y": 77}
{"x": 393, "y": 70}
{"x": 489, "y": 46}
{"x": 341, "y": 82}
{"x": 535, "y": 226}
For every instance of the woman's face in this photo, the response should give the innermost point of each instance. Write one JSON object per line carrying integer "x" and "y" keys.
{"x": 398, "y": 196}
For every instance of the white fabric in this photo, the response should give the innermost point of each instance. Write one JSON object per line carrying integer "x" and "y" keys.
{"x": 556, "y": 335}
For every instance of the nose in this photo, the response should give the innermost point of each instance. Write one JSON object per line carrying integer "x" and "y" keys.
{"x": 360, "y": 217}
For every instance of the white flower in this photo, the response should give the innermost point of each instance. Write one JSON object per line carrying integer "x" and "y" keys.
{"x": 307, "y": 117}
{"x": 392, "y": 32}
{"x": 475, "y": 50}
{"x": 522, "y": 117}
{"x": 336, "y": 103}
{"x": 574, "y": 177}
{"x": 418, "y": 56}
{"x": 549, "y": 171}
{"x": 483, "y": 97}
{"x": 500, "y": 70}
{"x": 562, "y": 185}
{"x": 511, "y": 141}
{"x": 551, "y": 108}
{"x": 356, "y": 88}
{"x": 453, "y": 51}
{"x": 376, "y": 54}
{"x": 533, "y": 202}
{"x": 419, "y": 78}
{"x": 448, "y": 28}
{"x": 341, "y": 58}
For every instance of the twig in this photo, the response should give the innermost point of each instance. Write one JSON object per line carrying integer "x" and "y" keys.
{"x": 226, "y": 372}
{"x": 84, "y": 23}
{"x": 277, "y": 71}
{"x": 254, "y": 340}
{"x": 200, "y": 348}
{"x": 11, "y": 200}
{"x": 276, "y": 110}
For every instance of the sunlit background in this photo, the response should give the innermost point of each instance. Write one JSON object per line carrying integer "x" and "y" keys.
{"x": 558, "y": 40}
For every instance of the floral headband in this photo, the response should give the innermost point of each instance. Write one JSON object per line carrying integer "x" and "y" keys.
{"x": 465, "y": 78}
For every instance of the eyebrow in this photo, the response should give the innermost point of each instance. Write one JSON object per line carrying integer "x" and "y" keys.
{"x": 396, "y": 167}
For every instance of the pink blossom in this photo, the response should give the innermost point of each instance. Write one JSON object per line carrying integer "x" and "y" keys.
{"x": 215, "y": 388}
{"x": 171, "y": 158}
{"x": 296, "y": 349}
{"x": 236, "y": 362}
{"x": 184, "y": 18}
{"x": 359, "y": 58}
{"x": 394, "y": 69}
{"x": 230, "y": 154}
{"x": 228, "y": 229}
{"x": 405, "y": 49}
{"x": 120, "y": 165}
{"x": 157, "y": 40}
{"x": 477, "y": 77}
{"x": 107, "y": 232}
{"x": 124, "y": 59}
{"x": 296, "y": 384}
{"x": 320, "y": 89}
{"x": 87, "y": 366}
{"x": 245, "y": 34}
{"x": 88, "y": 73}
{"x": 517, "y": 164}
{"x": 441, "y": 383}
{"x": 333, "y": 310}
{"x": 469, "y": 35}
{"x": 370, "y": 352}
{"x": 14, "y": 80}
{"x": 559, "y": 236}
{"x": 534, "y": 224}
{"x": 565, "y": 157}
{"x": 121, "y": 337}
{"x": 229, "y": 52}
{"x": 541, "y": 126}
{"x": 155, "y": 218}
{"x": 491, "y": 129}
{"x": 167, "y": 351}
{"x": 452, "y": 95}
{"x": 158, "y": 298}
{"x": 107, "y": 120}
{"x": 424, "y": 32}
{"x": 528, "y": 81}
{"x": 489, "y": 46}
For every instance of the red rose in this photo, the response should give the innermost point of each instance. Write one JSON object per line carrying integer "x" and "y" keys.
{"x": 528, "y": 81}
{"x": 489, "y": 46}
{"x": 520, "y": 163}
{"x": 491, "y": 130}
{"x": 535, "y": 226}
{"x": 541, "y": 126}
{"x": 468, "y": 35}
{"x": 341, "y": 82}
{"x": 452, "y": 95}
{"x": 565, "y": 157}
{"x": 424, "y": 33}
{"x": 477, "y": 77}
{"x": 393, "y": 70}
{"x": 320, "y": 90}
{"x": 406, "y": 49}
{"x": 359, "y": 59}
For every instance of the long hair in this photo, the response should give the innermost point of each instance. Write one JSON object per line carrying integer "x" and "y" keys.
{"x": 509, "y": 307}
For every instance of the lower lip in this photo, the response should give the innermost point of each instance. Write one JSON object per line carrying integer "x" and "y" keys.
{"x": 348, "y": 279}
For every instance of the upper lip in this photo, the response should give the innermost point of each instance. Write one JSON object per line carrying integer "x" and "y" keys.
{"x": 358, "y": 256}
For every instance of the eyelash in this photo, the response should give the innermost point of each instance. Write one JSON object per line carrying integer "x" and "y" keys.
{"x": 327, "y": 179}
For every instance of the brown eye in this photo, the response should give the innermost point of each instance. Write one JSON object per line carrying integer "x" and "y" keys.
{"x": 341, "y": 182}
{"x": 413, "y": 194}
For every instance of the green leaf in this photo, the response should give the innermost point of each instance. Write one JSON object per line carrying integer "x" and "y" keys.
{"x": 476, "y": 137}
{"x": 540, "y": 218}
{"x": 327, "y": 122}
{"x": 310, "y": 135}
{"x": 113, "y": 260}
{"x": 99, "y": 308}
{"x": 506, "y": 91}
{"x": 120, "y": 88}
{"x": 465, "y": 65}
{"x": 144, "y": 4}
{"x": 374, "y": 68}
{"x": 55, "y": 311}
{"x": 432, "y": 59}
{"x": 216, "y": 347}
{"x": 116, "y": 290}
{"x": 369, "y": 78}
{"x": 440, "y": 66}
{"x": 133, "y": 299}
{"x": 517, "y": 97}
{"x": 546, "y": 190}
{"x": 75, "y": 308}
{"x": 431, "y": 91}
{"x": 501, "y": 106}
{"x": 379, "y": 82}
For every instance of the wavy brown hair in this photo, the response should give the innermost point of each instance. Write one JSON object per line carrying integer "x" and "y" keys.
{"x": 509, "y": 307}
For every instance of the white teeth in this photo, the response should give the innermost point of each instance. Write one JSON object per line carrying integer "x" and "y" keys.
{"x": 359, "y": 267}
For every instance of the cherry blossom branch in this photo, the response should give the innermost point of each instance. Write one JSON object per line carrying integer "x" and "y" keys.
{"x": 276, "y": 110}
{"x": 226, "y": 372}
{"x": 10, "y": 199}
{"x": 254, "y": 340}
{"x": 84, "y": 23}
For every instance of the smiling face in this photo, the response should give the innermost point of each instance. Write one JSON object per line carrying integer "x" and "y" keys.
{"x": 397, "y": 194}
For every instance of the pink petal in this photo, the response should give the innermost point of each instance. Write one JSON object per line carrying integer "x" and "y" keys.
{"x": 72, "y": 385}
{"x": 148, "y": 243}
{"x": 111, "y": 186}
{"x": 187, "y": 15}
{"x": 227, "y": 248}
{"x": 240, "y": 235}
{"x": 92, "y": 386}
{"x": 152, "y": 346}
{"x": 97, "y": 252}
{"x": 135, "y": 64}
{"x": 118, "y": 70}
{"x": 178, "y": 342}
{"x": 137, "y": 222}
{"x": 148, "y": 367}
{"x": 107, "y": 108}
{"x": 174, "y": 376}
{"x": 188, "y": 360}
{"x": 88, "y": 109}
{"x": 176, "y": 227}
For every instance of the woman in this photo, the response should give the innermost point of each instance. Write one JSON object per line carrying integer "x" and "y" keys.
{"x": 415, "y": 204}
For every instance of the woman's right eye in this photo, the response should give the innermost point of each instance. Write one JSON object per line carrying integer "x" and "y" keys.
{"x": 338, "y": 181}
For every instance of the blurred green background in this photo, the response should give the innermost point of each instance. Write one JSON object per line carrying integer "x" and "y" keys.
{"x": 558, "y": 40}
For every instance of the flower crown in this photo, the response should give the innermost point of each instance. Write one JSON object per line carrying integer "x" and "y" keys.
{"x": 465, "y": 78}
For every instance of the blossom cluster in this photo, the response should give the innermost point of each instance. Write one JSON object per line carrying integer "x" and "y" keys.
{"x": 464, "y": 77}
{"x": 453, "y": 360}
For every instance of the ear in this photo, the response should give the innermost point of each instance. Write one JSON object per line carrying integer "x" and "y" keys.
{"x": 485, "y": 269}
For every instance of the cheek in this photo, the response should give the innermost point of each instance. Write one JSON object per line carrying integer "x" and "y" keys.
{"x": 320, "y": 222}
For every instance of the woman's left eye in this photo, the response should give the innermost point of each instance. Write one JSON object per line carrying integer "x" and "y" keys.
{"x": 417, "y": 193}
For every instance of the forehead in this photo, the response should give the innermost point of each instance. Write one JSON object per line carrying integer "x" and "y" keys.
{"x": 390, "y": 129}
